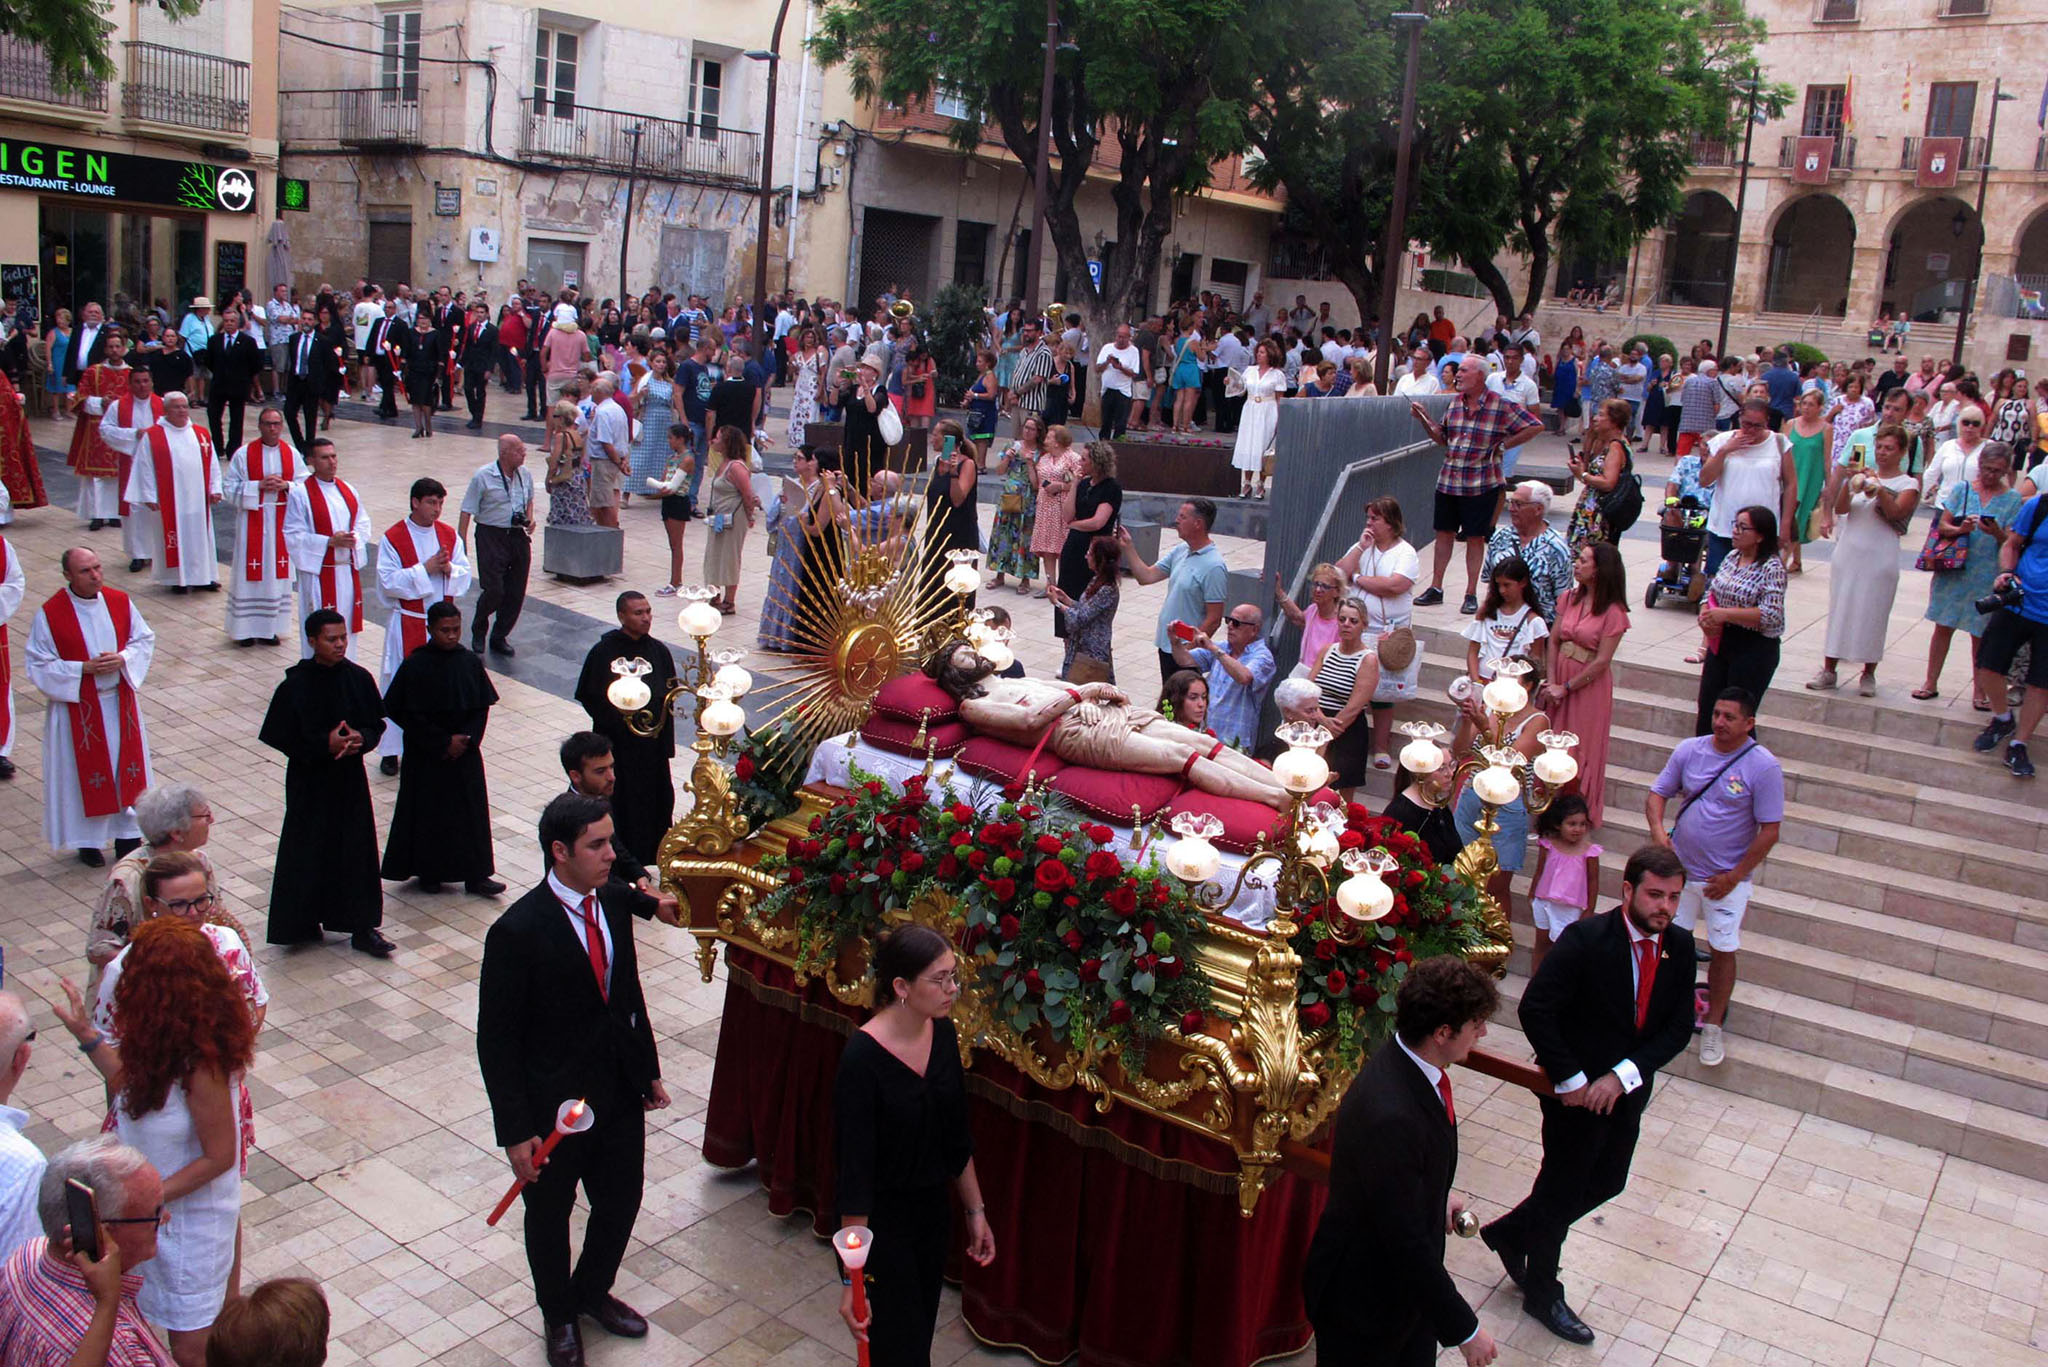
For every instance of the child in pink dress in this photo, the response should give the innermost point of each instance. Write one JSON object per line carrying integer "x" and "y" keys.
{"x": 1567, "y": 871}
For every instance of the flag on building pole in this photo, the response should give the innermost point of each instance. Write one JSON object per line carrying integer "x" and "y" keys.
{"x": 1906, "y": 91}
{"x": 2041, "y": 115}
{"x": 1849, "y": 106}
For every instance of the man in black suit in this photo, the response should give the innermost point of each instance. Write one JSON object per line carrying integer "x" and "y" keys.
{"x": 389, "y": 343}
{"x": 1374, "y": 1283}
{"x": 88, "y": 343}
{"x": 310, "y": 363}
{"x": 590, "y": 763}
{"x": 1612, "y": 1003}
{"x": 561, "y": 1017}
{"x": 476, "y": 354}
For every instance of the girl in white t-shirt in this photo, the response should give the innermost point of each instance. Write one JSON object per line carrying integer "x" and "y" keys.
{"x": 1383, "y": 568}
{"x": 1507, "y": 623}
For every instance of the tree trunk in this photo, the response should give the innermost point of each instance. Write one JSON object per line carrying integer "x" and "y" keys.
{"x": 1488, "y": 274}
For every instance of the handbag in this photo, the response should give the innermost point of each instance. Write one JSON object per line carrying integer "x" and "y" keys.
{"x": 1623, "y": 504}
{"x": 1945, "y": 555}
{"x": 1397, "y": 649}
{"x": 1086, "y": 669}
{"x": 1011, "y": 502}
{"x": 889, "y": 423}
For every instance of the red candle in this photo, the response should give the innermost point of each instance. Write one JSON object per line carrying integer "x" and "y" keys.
{"x": 853, "y": 1251}
{"x": 565, "y": 1123}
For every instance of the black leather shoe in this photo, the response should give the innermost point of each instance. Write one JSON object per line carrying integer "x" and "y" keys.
{"x": 92, "y": 859}
{"x": 180, "y": 590}
{"x": 565, "y": 1345}
{"x": 6, "y": 767}
{"x": 476, "y": 645}
{"x": 478, "y": 427}
{"x": 135, "y": 566}
{"x": 388, "y": 765}
{"x": 429, "y": 885}
{"x": 95, "y": 524}
{"x": 502, "y": 647}
{"x": 489, "y": 887}
{"x": 372, "y": 942}
{"x": 113, "y": 522}
{"x": 1558, "y": 1318}
{"x": 126, "y": 846}
{"x": 1513, "y": 1259}
{"x": 616, "y": 1317}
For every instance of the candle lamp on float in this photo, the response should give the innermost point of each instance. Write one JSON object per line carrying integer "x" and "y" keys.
{"x": 1499, "y": 773}
{"x": 962, "y": 579}
{"x": 716, "y": 679}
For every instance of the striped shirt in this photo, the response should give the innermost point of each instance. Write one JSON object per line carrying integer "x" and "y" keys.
{"x": 1034, "y": 364}
{"x": 46, "y": 1309}
{"x": 1337, "y": 675}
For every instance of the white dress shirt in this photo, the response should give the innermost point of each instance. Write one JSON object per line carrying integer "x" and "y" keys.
{"x": 21, "y": 1175}
{"x": 1631, "y": 1076}
{"x": 572, "y": 907}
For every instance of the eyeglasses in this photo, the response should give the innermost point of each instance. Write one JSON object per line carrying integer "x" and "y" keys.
{"x": 162, "y": 1213}
{"x": 1238, "y": 622}
{"x": 184, "y": 905}
{"x": 1970, "y": 422}
{"x": 950, "y": 978}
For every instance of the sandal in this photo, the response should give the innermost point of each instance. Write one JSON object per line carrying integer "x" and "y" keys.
{"x": 1923, "y": 694}
{"x": 1696, "y": 659}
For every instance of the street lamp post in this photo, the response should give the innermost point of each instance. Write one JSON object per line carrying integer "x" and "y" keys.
{"x": 1397, "y": 214}
{"x": 1998, "y": 96}
{"x": 1741, "y": 198}
{"x": 1052, "y": 47}
{"x": 626, "y": 227}
{"x": 764, "y": 325}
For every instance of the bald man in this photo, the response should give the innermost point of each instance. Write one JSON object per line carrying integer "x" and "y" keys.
{"x": 21, "y": 1163}
{"x": 499, "y": 501}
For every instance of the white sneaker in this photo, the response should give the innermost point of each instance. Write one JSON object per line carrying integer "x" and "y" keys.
{"x": 1713, "y": 1052}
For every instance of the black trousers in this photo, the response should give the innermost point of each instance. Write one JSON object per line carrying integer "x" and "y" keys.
{"x": 1212, "y": 398}
{"x": 475, "y": 385}
{"x": 218, "y": 399}
{"x": 1585, "y": 1164}
{"x": 608, "y": 1162}
{"x": 504, "y": 557}
{"x": 536, "y": 387}
{"x": 301, "y": 401}
{"x": 1116, "y": 413}
{"x": 1745, "y": 659}
{"x": 905, "y": 1272}
{"x": 387, "y": 407}
{"x": 508, "y": 366}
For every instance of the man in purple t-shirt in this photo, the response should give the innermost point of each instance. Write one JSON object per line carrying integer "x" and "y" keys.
{"x": 1731, "y": 795}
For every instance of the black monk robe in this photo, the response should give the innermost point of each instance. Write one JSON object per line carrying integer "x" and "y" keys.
{"x": 326, "y": 876}
{"x": 644, "y": 798}
{"x": 441, "y": 825}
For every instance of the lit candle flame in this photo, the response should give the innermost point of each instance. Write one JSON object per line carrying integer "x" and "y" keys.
{"x": 576, "y": 1113}
{"x": 853, "y": 1241}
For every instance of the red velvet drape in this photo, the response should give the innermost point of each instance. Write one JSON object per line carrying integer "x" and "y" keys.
{"x": 1118, "y": 1234}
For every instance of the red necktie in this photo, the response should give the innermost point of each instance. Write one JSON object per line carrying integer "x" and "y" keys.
{"x": 1443, "y": 1089}
{"x": 593, "y": 937}
{"x": 1646, "y": 978}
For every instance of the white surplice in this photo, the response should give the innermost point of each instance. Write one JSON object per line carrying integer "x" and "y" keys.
{"x": 65, "y": 824}
{"x": 399, "y": 582}
{"x": 12, "y": 586}
{"x": 310, "y": 551}
{"x": 258, "y": 608}
{"x": 197, "y": 476}
{"x": 122, "y": 427}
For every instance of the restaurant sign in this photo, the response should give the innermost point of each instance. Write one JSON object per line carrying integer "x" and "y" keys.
{"x": 47, "y": 168}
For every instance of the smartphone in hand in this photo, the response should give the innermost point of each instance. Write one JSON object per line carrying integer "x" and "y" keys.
{"x": 1180, "y": 631}
{"x": 83, "y": 1214}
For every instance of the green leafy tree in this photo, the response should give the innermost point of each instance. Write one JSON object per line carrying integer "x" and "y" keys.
{"x": 957, "y": 326}
{"x": 1149, "y": 92}
{"x": 73, "y": 33}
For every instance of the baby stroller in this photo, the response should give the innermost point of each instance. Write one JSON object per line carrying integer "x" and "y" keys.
{"x": 1683, "y": 532}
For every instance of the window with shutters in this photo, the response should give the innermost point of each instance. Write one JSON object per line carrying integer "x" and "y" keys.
{"x": 707, "y": 96}
{"x": 1824, "y": 106}
{"x": 555, "y": 54}
{"x": 399, "y": 63}
{"x": 1951, "y": 107}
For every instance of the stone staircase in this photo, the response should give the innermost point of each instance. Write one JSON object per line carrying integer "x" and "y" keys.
{"x": 1894, "y": 970}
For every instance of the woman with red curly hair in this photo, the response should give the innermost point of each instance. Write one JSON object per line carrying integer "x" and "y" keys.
{"x": 186, "y": 1036}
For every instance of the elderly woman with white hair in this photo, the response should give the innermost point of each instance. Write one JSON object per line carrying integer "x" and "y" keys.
{"x": 1528, "y": 536}
{"x": 173, "y": 816}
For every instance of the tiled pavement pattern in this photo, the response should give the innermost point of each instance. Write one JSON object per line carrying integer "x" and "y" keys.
{"x": 1751, "y": 1233}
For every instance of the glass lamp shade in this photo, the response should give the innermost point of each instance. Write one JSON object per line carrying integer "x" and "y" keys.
{"x": 628, "y": 693}
{"x": 1422, "y": 756}
{"x": 699, "y": 620}
{"x": 998, "y": 654}
{"x": 1192, "y": 859}
{"x": 1556, "y": 767}
{"x": 1505, "y": 695}
{"x": 1301, "y": 771}
{"x": 723, "y": 717}
{"x": 963, "y": 579}
{"x": 1319, "y": 845}
{"x": 734, "y": 680}
{"x": 1496, "y": 786}
{"x": 1365, "y": 897}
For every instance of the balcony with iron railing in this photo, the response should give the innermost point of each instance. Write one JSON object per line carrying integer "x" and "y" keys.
{"x": 179, "y": 89}
{"x": 668, "y": 149}
{"x": 1972, "y": 158}
{"x": 373, "y": 120}
{"x": 25, "y": 76}
{"x": 1844, "y": 154}
{"x": 1713, "y": 152}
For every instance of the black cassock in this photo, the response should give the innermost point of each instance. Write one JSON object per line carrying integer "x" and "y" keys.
{"x": 644, "y": 800}
{"x": 326, "y": 874}
{"x": 441, "y": 825}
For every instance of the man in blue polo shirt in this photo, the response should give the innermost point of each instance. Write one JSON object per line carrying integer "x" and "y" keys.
{"x": 1783, "y": 381}
{"x": 1238, "y": 670}
{"x": 1196, "y": 578}
{"x": 2022, "y": 564}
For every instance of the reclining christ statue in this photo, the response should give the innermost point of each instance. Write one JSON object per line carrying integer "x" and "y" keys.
{"x": 1095, "y": 724}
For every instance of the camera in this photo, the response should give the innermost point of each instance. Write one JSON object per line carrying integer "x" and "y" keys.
{"x": 522, "y": 521}
{"x": 2002, "y": 597}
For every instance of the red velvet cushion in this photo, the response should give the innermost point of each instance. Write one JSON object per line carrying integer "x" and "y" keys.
{"x": 1111, "y": 794}
{"x": 907, "y": 696}
{"x": 1004, "y": 763}
{"x": 1242, "y": 820}
{"x": 946, "y": 738}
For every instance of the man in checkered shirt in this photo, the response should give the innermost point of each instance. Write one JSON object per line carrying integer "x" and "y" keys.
{"x": 1476, "y": 428}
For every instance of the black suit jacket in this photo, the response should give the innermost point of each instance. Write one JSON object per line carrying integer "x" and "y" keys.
{"x": 626, "y": 873}
{"x": 1579, "y": 1011}
{"x": 1374, "y": 1282}
{"x": 78, "y": 359}
{"x": 479, "y": 351}
{"x": 321, "y": 363}
{"x": 545, "y": 1034}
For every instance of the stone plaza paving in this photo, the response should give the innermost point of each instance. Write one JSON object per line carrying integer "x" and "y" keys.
{"x": 1749, "y": 1233}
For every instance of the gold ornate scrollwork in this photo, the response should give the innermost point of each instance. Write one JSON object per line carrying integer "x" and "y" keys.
{"x": 715, "y": 823}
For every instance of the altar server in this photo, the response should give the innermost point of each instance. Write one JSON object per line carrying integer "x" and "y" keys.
{"x": 177, "y": 481}
{"x": 258, "y": 486}
{"x": 89, "y": 652}
{"x": 122, "y": 427}
{"x": 327, "y": 530}
{"x": 644, "y": 798}
{"x": 441, "y": 823}
{"x": 12, "y": 586}
{"x": 1375, "y": 1284}
{"x": 98, "y": 465}
{"x": 420, "y": 561}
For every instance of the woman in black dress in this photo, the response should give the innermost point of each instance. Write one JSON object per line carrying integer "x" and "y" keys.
{"x": 1098, "y": 503}
{"x": 950, "y": 507}
{"x": 328, "y": 328}
{"x": 424, "y": 361}
{"x": 861, "y": 448}
{"x": 900, "y": 1110}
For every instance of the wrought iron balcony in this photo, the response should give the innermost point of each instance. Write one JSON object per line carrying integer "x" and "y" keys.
{"x": 669, "y": 149}
{"x": 1711, "y": 152}
{"x": 167, "y": 85}
{"x": 370, "y": 119}
{"x": 1972, "y": 158}
{"x": 1844, "y": 159}
{"x": 2041, "y": 156}
{"x": 25, "y": 75}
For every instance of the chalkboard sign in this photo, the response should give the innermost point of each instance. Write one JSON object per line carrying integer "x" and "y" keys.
{"x": 24, "y": 285}
{"x": 230, "y": 270}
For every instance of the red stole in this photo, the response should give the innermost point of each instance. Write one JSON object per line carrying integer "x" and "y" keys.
{"x": 412, "y": 612}
{"x": 124, "y": 416}
{"x": 323, "y": 523}
{"x": 159, "y": 438}
{"x": 252, "y": 459}
{"x": 105, "y": 786}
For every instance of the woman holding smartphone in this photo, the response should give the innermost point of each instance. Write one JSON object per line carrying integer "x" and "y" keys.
{"x": 949, "y": 503}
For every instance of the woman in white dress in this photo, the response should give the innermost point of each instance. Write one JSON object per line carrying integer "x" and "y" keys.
{"x": 1264, "y": 383}
{"x": 807, "y": 366}
{"x": 187, "y": 1036}
{"x": 1875, "y": 509}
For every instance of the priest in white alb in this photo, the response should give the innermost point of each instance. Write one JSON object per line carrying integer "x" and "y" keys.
{"x": 176, "y": 478}
{"x": 13, "y": 584}
{"x": 121, "y": 428}
{"x": 257, "y": 486}
{"x": 89, "y": 652}
{"x": 327, "y": 531}
{"x": 420, "y": 562}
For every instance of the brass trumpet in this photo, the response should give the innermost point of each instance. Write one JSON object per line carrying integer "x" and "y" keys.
{"x": 902, "y": 308}
{"x": 1054, "y": 313}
